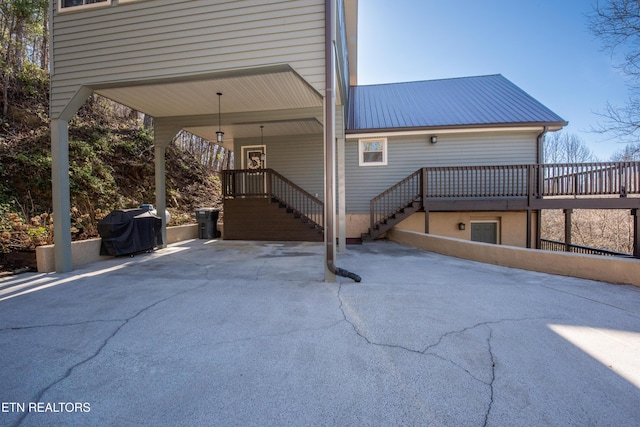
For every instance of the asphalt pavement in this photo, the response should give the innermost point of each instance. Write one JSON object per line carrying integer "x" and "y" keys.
{"x": 224, "y": 333}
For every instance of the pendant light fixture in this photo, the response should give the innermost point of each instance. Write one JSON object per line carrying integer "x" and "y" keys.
{"x": 262, "y": 156}
{"x": 219, "y": 133}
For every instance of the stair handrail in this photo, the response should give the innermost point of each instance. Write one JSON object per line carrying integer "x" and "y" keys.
{"x": 295, "y": 198}
{"x": 395, "y": 198}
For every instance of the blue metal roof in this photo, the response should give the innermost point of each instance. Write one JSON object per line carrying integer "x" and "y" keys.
{"x": 461, "y": 102}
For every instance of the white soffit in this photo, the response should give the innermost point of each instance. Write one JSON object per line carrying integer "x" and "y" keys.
{"x": 259, "y": 92}
{"x": 252, "y": 130}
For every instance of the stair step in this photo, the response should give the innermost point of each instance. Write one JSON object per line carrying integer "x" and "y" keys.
{"x": 366, "y": 237}
{"x": 390, "y": 221}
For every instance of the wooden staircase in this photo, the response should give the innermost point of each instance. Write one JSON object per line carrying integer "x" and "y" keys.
{"x": 395, "y": 205}
{"x": 264, "y": 205}
{"x": 299, "y": 215}
{"x": 386, "y": 224}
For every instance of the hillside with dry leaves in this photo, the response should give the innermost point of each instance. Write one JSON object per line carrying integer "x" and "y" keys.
{"x": 111, "y": 160}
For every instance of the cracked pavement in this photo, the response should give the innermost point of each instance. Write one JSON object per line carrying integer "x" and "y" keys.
{"x": 247, "y": 333}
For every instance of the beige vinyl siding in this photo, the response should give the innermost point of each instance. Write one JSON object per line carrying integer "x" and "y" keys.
{"x": 409, "y": 153}
{"x": 299, "y": 158}
{"x": 144, "y": 40}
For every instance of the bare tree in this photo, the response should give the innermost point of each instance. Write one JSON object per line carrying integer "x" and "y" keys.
{"x": 562, "y": 147}
{"x": 213, "y": 156}
{"x": 617, "y": 24}
{"x": 630, "y": 153}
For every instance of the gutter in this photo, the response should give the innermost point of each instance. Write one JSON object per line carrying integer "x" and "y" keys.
{"x": 540, "y": 160}
{"x": 426, "y": 130}
{"x": 329, "y": 143}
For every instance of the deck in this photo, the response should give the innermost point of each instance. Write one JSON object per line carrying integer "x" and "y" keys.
{"x": 518, "y": 187}
{"x": 529, "y": 188}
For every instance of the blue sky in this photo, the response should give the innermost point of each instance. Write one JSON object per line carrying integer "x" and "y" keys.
{"x": 543, "y": 46}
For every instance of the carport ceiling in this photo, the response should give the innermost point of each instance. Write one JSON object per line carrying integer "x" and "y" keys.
{"x": 252, "y": 130}
{"x": 276, "y": 97}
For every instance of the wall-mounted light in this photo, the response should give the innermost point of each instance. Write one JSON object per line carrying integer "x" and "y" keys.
{"x": 461, "y": 226}
{"x": 219, "y": 133}
{"x": 433, "y": 139}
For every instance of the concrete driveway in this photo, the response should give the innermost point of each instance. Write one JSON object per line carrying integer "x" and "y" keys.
{"x": 247, "y": 333}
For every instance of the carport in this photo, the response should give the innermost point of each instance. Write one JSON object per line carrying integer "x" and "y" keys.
{"x": 273, "y": 64}
{"x": 273, "y": 95}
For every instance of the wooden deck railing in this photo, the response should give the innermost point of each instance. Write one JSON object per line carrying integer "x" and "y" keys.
{"x": 590, "y": 179}
{"x": 267, "y": 183}
{"x": 478, "y": 181}
{"x": 508, "y": 181}
{"x": 540, "y": 180}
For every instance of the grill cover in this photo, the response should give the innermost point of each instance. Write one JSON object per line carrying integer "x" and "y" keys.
{"x": 129, "y": 231}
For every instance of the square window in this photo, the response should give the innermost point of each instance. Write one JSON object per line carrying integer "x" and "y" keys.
{"x": 485, "y": 231}
{"x": 72, "y": 4}
{"x": 372, "y": 152}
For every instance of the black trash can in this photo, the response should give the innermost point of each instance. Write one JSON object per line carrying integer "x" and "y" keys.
{"x": 207, "y": 223}
{"x": 126, "y": 232}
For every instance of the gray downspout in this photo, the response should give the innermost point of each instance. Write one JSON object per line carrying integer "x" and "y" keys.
{"x": 540, "y": 160}
{"x": 329, "y": 125}
{"x": 540, "y": 141}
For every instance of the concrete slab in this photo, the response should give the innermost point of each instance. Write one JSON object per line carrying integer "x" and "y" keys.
{"x": 247, "y": 333}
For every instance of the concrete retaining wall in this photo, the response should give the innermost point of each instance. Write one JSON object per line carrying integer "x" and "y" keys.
{"x": 603, "y": 268}
{"x": 86, "y": 251}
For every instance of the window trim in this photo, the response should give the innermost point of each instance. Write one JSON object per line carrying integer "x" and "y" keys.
{"x": 62, "y": 9}
{"x": 361, "y": 143}
{"x": 484, "y": 221}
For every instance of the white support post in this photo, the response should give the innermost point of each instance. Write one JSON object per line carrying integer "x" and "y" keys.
{"x": 60, "y": 180}
{"x": 163, "y": 134}
{"x": 161, "y": 188}
{"x": 61, "y": 195}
